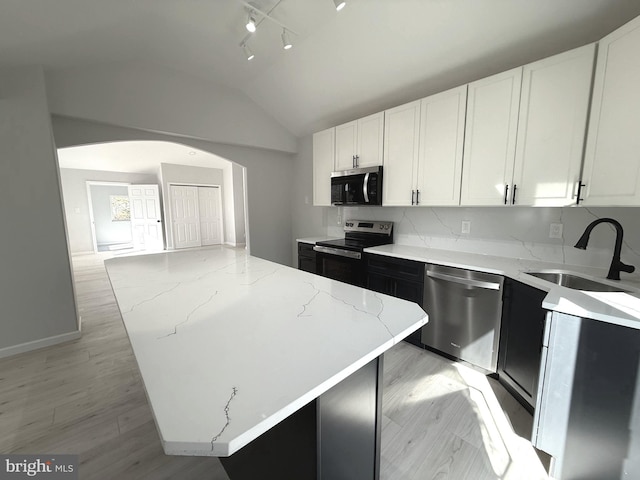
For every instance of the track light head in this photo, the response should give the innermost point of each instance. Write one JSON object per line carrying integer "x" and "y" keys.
{"x": 247, "y": 52}
{"x": 339, "y": 4}
{"x": 286, "y": 41}
{"x": 251, "y": 21}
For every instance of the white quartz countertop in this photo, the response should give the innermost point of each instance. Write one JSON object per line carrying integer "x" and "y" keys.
{"x": 313, "y": 240}
{"x": 229, "y": 345}
{"x": 613, "y": 307}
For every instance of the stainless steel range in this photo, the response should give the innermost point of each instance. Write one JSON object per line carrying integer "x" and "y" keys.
{"x": 342, "y": 259}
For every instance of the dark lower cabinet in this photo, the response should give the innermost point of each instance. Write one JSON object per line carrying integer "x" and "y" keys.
{"x": 307, "y": 258}
{"x": 397, "y": 277}
{"x": 521, "y": 335}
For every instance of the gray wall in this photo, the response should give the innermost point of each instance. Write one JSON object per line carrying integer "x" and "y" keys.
{"x": 108, "y": 231}
{"x": 76, "y": 205}
{"x": 269, "y": 179}
{"x": 239, "y": 206}
{"x": 36, "y": 291}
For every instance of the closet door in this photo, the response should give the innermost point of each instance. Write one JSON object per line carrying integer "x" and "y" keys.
{"x": 210, "y": 217}
{"x": 185, "y": 216}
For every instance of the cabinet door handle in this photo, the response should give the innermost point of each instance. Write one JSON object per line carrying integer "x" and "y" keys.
{"x": 353, "y": 161}
{"x": 357, "y": 160}
{"x": 417, "y": 197}
{"x": 506, "y": 192}
{"x": 580, "y": 187}
{"x": 413, "y": 192}
{"x": 513, "y": 195}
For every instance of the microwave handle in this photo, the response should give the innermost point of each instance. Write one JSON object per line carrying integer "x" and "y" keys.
{"x": 365, "y": 187}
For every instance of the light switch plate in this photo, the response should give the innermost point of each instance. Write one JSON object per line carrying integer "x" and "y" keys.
{"x": 465, "y": 227}
{"x": 555, "y": 230}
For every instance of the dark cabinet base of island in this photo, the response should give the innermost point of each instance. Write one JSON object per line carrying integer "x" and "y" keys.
{"x": 335, "y": 436}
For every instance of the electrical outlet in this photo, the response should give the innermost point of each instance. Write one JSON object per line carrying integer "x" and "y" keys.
{"x": 466, "y": 227}
{"x": 306, "y": 199}
{"x": 339, "y": 219}
{"x": 555, "y": 230}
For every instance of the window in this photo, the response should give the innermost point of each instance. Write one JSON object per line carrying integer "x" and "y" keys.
{"x": 120, "y": 210}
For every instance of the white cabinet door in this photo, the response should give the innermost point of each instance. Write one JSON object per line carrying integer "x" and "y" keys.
{"x": 346, "y": 145}
{"x": 401, "y": 143}
{"x": 551, "y": 128}
{"x": 369, "y": 149}
{"x": 323, "y": 165}
{"x": 359, "y": 143}
{"x": 185, "y": 216}
{"x": 612, "y": 159}
{"x": 490, "y": 138}
{"x": 439, "y": 172}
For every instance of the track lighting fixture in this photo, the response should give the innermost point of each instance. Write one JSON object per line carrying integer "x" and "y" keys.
{"x": 253, "y": 10}
{"x": 339, "y": 4}
{"x": 286, "y": 42}
{"x": 247, "y": 52}
{"x": 251, "y": 21}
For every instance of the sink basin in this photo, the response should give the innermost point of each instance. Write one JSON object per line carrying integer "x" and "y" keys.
{"x": 575, "y": 282}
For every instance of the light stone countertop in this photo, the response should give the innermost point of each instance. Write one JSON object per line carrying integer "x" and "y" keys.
{"x": 313, "y": 240}
{"x": 229, "y": 345}
{"x": 612, "y": 307}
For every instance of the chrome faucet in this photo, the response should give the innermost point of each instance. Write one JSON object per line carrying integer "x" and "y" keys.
{"x": 616, "y": 265}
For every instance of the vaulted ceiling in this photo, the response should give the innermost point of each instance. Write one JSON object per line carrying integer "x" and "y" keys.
{"x": 372, "y": 55}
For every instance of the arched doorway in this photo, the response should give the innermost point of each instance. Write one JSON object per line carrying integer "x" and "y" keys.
{"x": 170, "y": 167}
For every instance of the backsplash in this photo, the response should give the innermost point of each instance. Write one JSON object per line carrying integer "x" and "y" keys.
{"x": 520, "y": 232}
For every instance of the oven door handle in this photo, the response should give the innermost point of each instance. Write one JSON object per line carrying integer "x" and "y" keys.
{"x": 338, "y": 251}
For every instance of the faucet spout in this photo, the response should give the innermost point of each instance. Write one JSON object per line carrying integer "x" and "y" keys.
{"x": 616, "y": 264}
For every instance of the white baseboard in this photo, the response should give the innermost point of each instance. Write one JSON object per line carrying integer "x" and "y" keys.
{"x": 232, "y": 244}
{"x": 37, "y": 344}
{"x": 88, "y": 252}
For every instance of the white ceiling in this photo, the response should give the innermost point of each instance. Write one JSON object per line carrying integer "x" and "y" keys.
{"x": 372, "y": 55}
{"x": 136, "y": 157}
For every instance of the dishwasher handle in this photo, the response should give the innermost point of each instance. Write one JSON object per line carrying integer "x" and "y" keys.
{"x": 464, "y": 281}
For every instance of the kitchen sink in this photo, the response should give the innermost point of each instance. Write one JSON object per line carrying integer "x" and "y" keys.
{"x": 575, "y": 282}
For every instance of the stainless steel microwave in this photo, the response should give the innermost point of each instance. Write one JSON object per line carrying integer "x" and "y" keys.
{"x": 360, "y": 186}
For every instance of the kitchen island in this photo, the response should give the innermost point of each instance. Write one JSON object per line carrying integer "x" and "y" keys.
{"x": 258, "y": 362}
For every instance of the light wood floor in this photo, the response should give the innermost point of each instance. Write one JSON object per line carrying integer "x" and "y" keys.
{"x": 441, "y": 420}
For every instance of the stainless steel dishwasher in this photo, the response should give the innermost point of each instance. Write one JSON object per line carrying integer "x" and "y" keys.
{"x": 464, "y": 308}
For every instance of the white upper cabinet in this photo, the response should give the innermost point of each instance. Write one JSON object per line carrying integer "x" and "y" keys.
{"x": 359, "y": 143}
{"x": 439, "y": 173}
{"x": 525, "y": 132}
{"x": 490, "y": 138}
{"x": 323, "y": 165}
{"x": 423, "y": 150}
{"x": 612, "y": 159}
{"x": 551, "y": 128}
{"x": 346, "y": 145}
{"x": 401, "y": 150}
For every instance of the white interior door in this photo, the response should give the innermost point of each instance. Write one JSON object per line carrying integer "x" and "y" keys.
{"x": 146, "y": 222}
{"x": 209, "y": 204}
{"x": 185, "y": 216}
